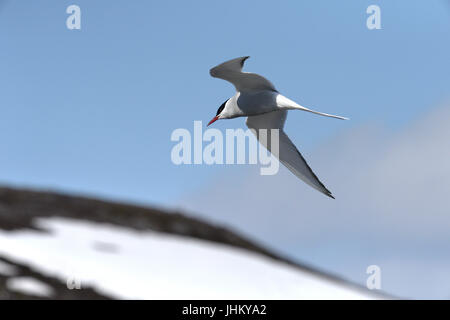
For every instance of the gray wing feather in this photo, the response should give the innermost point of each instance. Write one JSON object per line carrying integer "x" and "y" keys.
{"x": 288, "y": 153}
{"x": 243, "y": 81}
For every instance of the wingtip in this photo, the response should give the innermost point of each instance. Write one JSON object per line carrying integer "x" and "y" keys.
{"x": 328, "y": 193}
{"x": 243, "y": 60}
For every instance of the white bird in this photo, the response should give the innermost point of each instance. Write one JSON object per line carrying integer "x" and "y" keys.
{"x": 265, "y": 108}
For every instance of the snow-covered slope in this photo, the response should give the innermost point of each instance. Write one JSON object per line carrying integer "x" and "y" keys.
{"x": 125, "y": 263}
{"x": 70, "y": 247}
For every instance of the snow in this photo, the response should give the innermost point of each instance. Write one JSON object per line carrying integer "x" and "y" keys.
{"x": 29, "y": 286}
{"x": 150, "y": 265}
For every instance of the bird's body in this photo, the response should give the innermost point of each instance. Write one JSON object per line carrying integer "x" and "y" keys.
{"x": 265, "y": 108}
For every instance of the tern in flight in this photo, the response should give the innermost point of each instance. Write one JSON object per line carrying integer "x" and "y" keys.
{"x": 265, "y": 108}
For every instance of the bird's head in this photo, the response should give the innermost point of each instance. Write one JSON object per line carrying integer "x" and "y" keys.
{"x": 219, "y": 114}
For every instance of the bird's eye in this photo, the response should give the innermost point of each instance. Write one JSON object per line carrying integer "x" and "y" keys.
{"x": 221, "y": 108}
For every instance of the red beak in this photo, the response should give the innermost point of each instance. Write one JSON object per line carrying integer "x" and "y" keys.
{"x": 213, "y": 120}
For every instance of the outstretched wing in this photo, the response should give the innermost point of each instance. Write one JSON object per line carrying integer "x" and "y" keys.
{"x": 288, "y": 153}
{"x": 243, "y": 81}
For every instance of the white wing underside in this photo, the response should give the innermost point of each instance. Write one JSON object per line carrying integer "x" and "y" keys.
{"x": 243, "y": 81}
{"x": 288, "y": 153}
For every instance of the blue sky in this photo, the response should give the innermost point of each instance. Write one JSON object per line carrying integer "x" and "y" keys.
{"x": 92, "y": 110}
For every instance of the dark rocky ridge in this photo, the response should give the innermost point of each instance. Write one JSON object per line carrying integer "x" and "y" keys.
{"x": 18, "y": 209}
{"x": 59, "y": 288}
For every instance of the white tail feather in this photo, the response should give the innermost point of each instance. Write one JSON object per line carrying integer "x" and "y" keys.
{"x": 285, "y": 103}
